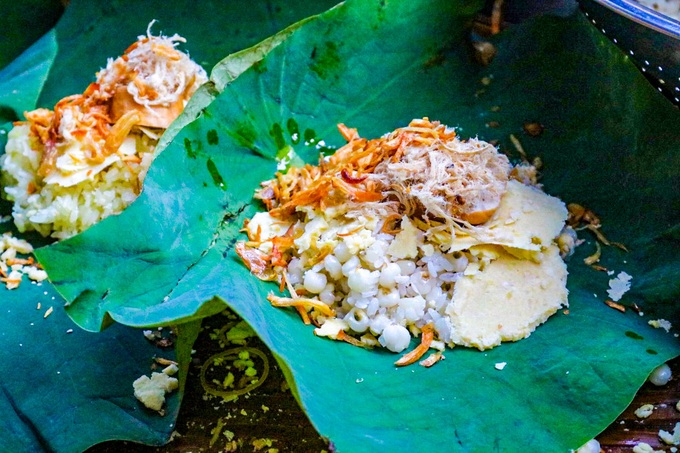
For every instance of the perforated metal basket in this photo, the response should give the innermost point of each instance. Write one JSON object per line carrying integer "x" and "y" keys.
{"x": 650, "y": 38}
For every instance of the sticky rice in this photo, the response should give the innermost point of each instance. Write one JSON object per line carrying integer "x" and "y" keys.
{"x": 68, "y": 168}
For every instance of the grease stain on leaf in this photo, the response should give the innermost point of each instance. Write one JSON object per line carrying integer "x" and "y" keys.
{"x": 277, "y": 134}
{"x": 245, "y": 135}
{"x": 310, "y": 137}
{"x": 189, "y": 148}
{"x": 293, "y": 130}
{"x": 215, "y": 174}
{"x": 437, "y": 59}
{"x": 633, "y": 335}
{"x": 213, "y": 138}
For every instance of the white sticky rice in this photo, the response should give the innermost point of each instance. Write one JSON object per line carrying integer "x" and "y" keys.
{"x": 63, "y": 210}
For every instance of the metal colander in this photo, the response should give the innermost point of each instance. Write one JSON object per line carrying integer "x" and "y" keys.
{"x": 650, "y": 38}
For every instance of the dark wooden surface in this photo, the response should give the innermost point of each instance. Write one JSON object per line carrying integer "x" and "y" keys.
{"x": 628, "y": 430}
{"x": 270, "y": 415}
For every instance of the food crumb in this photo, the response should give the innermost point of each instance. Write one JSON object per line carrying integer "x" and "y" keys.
{"x": 619, "y": 286}
{"x": 660, "y": 375}
{"x": 671, "y": 438}
{"x": 644, "y": 411}
{"x": 660, "y": 324}
{"x": 48, "y": 312}
{"x": 592, "y": 446}
{"x": 644, "y": 447}
{"x": 500, "y": 365}
{"x": 151, "y": 391}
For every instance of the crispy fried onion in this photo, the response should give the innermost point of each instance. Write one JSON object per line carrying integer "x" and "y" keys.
{"x": 266, "y": 266}
{"x": 582, "y": 218}
{"x": 307, "y": 304}
{"x": 426, "y": 337}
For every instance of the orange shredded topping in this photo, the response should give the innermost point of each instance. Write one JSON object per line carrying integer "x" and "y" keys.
{"x": 389, "y": 221}
{"x": 304, "y": 302}
{"x": 342, "y": 336}
{"x": 344, "y": 177}
{"x": 303, "y": 314}
{"x": 351, "y": 232}
{"x": 426, "y": 337}
{"x": 615, "y": 305}
{"x": 24, "y": 262}
{"x": 431, "y": 359}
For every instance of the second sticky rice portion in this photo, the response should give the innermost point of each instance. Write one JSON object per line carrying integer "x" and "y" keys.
{"x": 68, "y": 168}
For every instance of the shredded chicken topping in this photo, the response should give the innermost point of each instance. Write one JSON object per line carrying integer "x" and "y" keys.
{"x": 423, "y": 169}
{"x": 147, "y": 86}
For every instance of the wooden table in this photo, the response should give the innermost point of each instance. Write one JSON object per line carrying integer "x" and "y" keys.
{"x": 269, "y": 417}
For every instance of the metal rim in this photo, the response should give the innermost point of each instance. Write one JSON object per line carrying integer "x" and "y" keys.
{"x": 644, "y": 16}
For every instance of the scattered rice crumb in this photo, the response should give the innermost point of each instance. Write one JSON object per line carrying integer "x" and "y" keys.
{"x": 643, "y": 447}
{"x": 644, "y": 411}
{"x": 592, "y": 446}
{"x": 500, "y": 365}
{"x": 661, "y": 324}
{"x": 671, "y": 438}
{"x": 619, "y": 286}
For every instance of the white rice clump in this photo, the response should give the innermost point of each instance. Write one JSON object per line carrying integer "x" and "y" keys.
{"x": 377, "y": 283}
{"x": 65, "y": 207}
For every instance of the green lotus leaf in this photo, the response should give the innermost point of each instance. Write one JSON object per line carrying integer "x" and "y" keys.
{"x": 22, "y": 80}
{"x": 64, "y": 389}
{"x": 609, "y": 143}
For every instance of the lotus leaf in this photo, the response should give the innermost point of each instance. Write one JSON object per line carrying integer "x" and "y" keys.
{"x": 609, "y": 143}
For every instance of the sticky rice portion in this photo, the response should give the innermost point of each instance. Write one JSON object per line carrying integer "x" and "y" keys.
{"x": 68, "y": 168}
{"x": 70, "y": 203}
